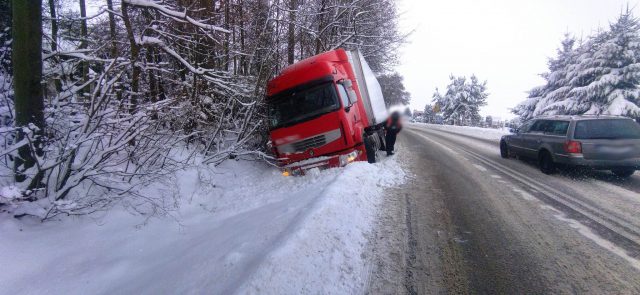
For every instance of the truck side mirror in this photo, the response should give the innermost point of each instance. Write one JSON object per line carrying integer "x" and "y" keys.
{"x": 353, "y": 97}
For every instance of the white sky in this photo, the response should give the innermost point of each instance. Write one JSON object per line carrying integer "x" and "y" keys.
{"x": 506, "y": 42}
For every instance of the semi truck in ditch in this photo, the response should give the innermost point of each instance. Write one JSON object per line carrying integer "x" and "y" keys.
{"x": 326, "y": 111}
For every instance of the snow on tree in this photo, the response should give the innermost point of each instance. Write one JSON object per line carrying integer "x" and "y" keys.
{"x": 557, "y": 78}
{"x": 489, "y": 121}
{"x": 143, "y": 88}
{"x": 460, "y": 104}
{"x": 601, "y": 76}
{"x": 429, "y": 114}
{"x": 393, "y": 89}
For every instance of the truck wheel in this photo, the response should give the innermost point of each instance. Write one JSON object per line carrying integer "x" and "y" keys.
{"x": 547, "y": 166}
{"x": 623, "y": 173}
{"x": 370, "y": 148}
{"x": 383, "y": 144}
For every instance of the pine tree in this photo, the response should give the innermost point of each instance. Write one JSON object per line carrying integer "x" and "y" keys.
{"x": 460, "y": 105}
{"x": 393, "y": 89}
{"x": 476, "y": 99}
{"x": 429, "y": 114}
{"x": 601, "y": 76}
{"x": 557, "y": 81}
{"x": 614, "y": 89}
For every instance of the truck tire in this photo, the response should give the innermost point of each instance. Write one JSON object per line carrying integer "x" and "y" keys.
{"x": 370, "y": 148}
{"x": 383, "y": 144}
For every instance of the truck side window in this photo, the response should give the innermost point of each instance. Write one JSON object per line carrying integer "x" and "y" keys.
{"x": 343, "y": 96}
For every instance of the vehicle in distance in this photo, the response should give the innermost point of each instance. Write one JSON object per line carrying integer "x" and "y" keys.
{"x": 597, "y": 142}
{"x": 325, "y": 111}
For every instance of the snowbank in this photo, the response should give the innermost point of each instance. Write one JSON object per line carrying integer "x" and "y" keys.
{"x": 325, "y": 255}
{"x": 241, "y": 227}
{"x": 479, "y": 132}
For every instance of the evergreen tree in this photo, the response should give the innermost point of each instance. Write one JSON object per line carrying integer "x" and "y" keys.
{"x": 556, "y": 87}
{"x": 460, "y": 105}
{"x": 601, "y": 76}
{"x": 429, "y": 114}
{"x": 393, "y": 89}
{"x": 614, "y": 69}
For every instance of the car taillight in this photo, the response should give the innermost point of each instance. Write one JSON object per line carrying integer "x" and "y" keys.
{"x": 573, "y": 147}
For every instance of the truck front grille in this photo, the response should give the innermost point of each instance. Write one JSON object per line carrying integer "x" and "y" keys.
{"x": 312, "y": 142}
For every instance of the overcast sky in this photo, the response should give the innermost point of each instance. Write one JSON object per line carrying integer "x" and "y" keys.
{"x": 506, "y": 42}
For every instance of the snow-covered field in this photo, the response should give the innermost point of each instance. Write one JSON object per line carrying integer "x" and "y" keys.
{"x": 239, "y": 228}
{"x": 479, "y": 132}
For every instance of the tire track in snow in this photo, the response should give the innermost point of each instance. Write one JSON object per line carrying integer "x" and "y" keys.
{"x": 609, "y": 232}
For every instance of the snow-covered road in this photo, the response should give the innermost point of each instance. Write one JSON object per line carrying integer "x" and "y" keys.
{"x": 240, "y": 228}
{"x": 477, "y": 223}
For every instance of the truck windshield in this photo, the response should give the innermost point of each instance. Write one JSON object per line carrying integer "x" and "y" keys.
{"x": 290, "y": 108}
{"x": 607, "y": 129}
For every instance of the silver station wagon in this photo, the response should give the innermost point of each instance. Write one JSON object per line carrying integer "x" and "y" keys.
{"x": 597, "y": 142}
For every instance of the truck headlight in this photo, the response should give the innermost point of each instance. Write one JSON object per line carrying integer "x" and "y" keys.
{"x": 348, "y": 158}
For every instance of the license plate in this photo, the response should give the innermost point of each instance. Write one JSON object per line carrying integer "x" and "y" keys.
{"x": 616, "y": 150}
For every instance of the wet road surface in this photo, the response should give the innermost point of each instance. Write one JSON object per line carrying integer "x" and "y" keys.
{"x": 470, "y": 222}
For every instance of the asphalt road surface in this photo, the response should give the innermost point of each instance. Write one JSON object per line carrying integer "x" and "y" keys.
{"x": 470, "y": 222}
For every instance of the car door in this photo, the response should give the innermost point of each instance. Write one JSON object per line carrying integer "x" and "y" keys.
{"x": 532, "y": 139}
{"x": 555, "y": 137}
{"x": 516, "y": 141}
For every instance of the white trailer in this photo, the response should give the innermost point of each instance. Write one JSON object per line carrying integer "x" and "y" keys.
{"x": 369, "y": 88}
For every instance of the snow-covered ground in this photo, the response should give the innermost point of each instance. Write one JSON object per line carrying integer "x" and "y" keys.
{"x": 240, "y": 228}
{"x": 479, "y": 132}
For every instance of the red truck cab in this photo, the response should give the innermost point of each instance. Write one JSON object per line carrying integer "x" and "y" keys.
{"x": 319, "y": 115}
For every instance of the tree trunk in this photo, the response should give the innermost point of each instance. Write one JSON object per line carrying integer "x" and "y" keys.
{"x": 320, "y": 26}
{"x": 27, "y": 76}
{"x": 135, "y": 51}
{"x": 243, "y": 66}
{"x": 54, "y": 26}
{"x": 54, "y": 40}
{"x": 291, "y": 44}
{"x": 227, "y": 40}
{"x": 112, "y": 29}
{"x": 83, "y": 44}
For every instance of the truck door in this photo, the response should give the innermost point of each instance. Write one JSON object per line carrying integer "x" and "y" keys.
{"x": 352, "y": 114}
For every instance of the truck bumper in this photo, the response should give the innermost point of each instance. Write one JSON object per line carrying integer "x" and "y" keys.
{"x": 323, "y": 162}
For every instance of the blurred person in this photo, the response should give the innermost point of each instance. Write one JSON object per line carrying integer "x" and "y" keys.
{"x": 392, "y": 128}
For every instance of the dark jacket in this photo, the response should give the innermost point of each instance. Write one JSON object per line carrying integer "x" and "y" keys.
{"x": 393, "y": 125}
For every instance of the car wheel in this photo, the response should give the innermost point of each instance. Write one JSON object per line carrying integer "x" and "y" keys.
{"x": 504, "y": 149}
{"x": 624, "y": 173}
{"x": 545, "y": 161}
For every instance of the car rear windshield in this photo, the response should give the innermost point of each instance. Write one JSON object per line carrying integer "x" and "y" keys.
{"x": 292, "y": 108}
{"x": 607, "y": 129}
